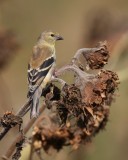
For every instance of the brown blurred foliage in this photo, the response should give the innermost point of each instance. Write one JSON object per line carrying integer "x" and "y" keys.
{"x": 8, "y": 46}
{"x": 104, "y": 24}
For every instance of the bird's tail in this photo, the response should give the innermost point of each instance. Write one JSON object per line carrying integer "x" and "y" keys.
{"x": 34, "y": 113}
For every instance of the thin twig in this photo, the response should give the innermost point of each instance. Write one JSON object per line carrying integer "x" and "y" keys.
{"x": 61, "y": 81}
{"x": 74, "y": 69}
{"x": 11, "y": 149}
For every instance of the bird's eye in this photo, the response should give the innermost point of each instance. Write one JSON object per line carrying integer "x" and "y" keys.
{"x": 52, "y": 35}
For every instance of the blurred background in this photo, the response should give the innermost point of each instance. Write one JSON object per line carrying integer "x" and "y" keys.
{"x": 82, "y": 23}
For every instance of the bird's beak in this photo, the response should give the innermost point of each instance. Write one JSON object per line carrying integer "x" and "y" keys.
{"x": 59, "y": 37}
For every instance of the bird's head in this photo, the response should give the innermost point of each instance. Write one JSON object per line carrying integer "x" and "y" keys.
{"x": 50, "y": 37}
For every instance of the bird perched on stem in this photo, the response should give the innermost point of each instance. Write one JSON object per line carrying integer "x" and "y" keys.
{"x": 41, "y": 68}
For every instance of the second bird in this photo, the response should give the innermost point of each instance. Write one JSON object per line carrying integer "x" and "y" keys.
{"x": 41, "y": 68}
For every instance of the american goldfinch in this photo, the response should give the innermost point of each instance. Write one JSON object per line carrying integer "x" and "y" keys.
{"x": 41, "y": 68}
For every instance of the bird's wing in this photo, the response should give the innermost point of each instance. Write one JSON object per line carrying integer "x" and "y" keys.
{"x": 40, "y": 64}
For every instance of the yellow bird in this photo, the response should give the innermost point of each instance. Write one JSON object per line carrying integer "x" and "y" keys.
{"x": 41, "y": 68}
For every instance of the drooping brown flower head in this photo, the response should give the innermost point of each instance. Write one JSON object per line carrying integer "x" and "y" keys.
{"x": 97, "y": 60}
{"x": 10, "y": 120}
